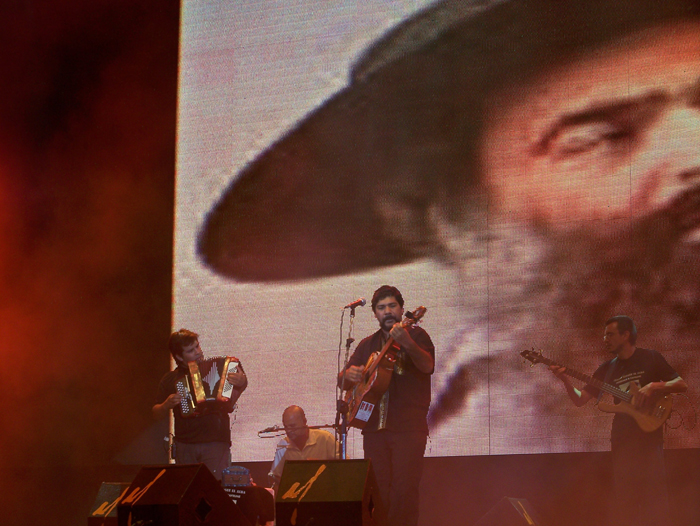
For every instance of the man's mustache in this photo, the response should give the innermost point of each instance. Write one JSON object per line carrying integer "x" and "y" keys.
{"x": 627, "y": 246}
{"x": 672, "y": 221}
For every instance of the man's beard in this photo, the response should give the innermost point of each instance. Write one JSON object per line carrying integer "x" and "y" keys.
{"x": 387, "y": 323}
{"x": 554, "y": 290}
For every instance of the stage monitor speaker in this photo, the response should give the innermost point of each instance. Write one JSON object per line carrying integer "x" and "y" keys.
{"x": 178, "y": 495}
{"x": 329, "y": 493}
{"x": 104, "y": 511}
{"x": 511, "y": 511}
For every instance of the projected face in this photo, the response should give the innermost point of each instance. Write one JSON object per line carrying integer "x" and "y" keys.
{"x": 593, "y": 172}
{"x": 612, "y": 135}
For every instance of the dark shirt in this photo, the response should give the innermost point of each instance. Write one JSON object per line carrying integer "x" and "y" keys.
{"x": 210, "y": 427}
{"x": 643, "y": 367}
{"x": 409, "y": 389}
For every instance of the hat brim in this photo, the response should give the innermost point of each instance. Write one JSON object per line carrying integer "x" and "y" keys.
{"x": 350, "y": 187}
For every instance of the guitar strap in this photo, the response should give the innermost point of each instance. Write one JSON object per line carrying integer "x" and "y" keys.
{"x": 608, "y": 377}
{"x": 384, "y": 401}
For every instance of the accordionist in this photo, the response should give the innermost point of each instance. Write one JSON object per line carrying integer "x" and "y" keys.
{"x": 201, "y": 393}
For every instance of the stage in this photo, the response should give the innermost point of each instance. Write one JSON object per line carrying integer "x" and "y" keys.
{"x": 572, "y": 489}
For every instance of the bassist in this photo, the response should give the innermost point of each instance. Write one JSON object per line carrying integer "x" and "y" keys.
{"x": 396, "y": 433}
{"x": 638, "y": 465}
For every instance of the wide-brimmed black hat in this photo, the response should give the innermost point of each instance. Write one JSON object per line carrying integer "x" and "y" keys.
{"x": 352, "y": 186}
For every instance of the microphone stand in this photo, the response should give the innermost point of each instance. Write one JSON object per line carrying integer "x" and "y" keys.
{"x": 341, "y": 415}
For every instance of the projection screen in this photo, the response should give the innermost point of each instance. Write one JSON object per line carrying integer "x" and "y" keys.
{"x": 525, "y": 170}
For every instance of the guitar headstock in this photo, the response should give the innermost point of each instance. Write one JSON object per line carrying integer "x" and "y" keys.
{"x": 533, "y": 356}
{"x": 411, "y": 318}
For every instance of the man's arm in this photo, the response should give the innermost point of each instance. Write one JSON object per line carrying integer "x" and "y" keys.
{"x": 579, "y": 398}
{"x": 352, "y": 373}
{"x": 646, "y": 396}
{"x": 239, "y": 381}
{"x": 160, "y": 411}
{"x": 677, "y": 385}
{"x": 278, "y": 463}
{"x": 421, "y": 358}
{"x": 350, "y": 376}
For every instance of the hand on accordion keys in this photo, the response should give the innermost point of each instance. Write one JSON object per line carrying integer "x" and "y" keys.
{"x": 172, "y": 401}
{"x": 236, "y": 379}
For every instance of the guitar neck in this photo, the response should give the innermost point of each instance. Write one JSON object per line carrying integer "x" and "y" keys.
{"x": 607, "y": 388}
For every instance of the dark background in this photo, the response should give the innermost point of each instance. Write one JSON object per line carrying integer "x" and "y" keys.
{"x": 87, "y": 163}
{"x": 87, "y": 157}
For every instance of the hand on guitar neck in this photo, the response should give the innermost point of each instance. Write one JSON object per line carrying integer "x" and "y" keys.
{"x": 420, "y": 357}
{"x": 579, "y": 398}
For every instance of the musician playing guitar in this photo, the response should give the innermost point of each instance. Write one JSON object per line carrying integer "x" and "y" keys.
{"x": 395, "y": 434}
{"x": 638, "y": 465}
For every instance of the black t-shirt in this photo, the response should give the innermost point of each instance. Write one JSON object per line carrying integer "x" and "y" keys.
{"x": 210, "y": 427}
{"x": 643, "y": 367}
{"x": 409, "y": 389}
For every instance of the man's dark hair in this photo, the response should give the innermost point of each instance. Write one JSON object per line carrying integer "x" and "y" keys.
{"x": 179, "y": 340}
{"x": 624, "y": 324}
{"x": 384, "y": 292}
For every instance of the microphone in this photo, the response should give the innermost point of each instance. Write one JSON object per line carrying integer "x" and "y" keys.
{"x": 360, "y": 302}
{"x": 272, "y": 429}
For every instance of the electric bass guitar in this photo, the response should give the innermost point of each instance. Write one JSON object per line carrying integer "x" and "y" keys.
{"x": 363, "y": 397}
{"x": 648, "y": 420}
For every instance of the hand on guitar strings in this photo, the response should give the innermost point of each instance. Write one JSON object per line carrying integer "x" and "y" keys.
{"x": 645, "y": 398}
{"x": 353, "y": 374}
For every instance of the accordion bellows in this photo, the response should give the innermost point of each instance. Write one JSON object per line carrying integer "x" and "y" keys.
{"x": 204, "y": 388}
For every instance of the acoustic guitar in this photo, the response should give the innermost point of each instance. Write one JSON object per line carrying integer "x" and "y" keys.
{"x": 363, "y": 397}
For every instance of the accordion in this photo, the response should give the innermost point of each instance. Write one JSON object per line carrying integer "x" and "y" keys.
{"x": 205, "y": 389}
